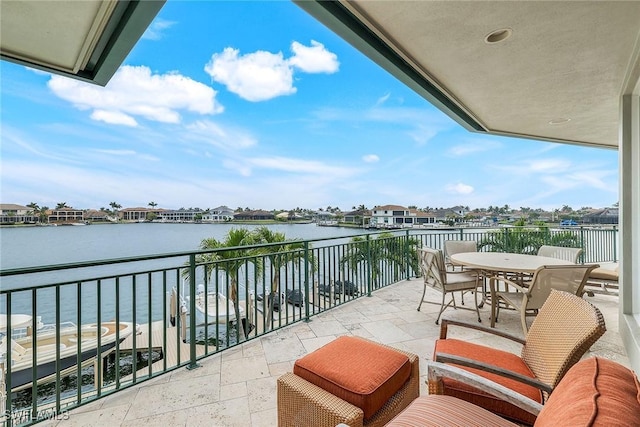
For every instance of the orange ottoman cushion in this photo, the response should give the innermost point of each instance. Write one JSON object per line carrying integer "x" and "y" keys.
{"x": 494, "y": 357}
{"x": 595, "y": 392}
{"x": 356, "y": 370}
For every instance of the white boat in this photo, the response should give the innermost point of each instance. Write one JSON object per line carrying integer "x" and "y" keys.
{"x": 211, "y": 307}
{"x": 21, "y": 343}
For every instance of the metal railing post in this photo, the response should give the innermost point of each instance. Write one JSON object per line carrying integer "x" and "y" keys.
{"x": 407, "y": 252}
{"x": 507, "y": 244}
{"x": 368, "y": 243}
{"x": 306, "y": 281}
{"x": 192, "y": 313}
{"x": 7, "y": 369}
{"x": 583, "y": 255}
{"x": 615, "y": 243}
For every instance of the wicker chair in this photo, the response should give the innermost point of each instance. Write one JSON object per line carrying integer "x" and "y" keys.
{"x": 436, "y": 276}
{"x": 559, "y": 252}
{"x": 301, "y": 403}
{"x": 594, "y": 392}
{"x": 527, "y": 300}
{"x": 563, "y": 331}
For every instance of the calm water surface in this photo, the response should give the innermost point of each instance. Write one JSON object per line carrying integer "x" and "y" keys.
{"x": 22, "y": 247}
{"x": 37, "y": 246}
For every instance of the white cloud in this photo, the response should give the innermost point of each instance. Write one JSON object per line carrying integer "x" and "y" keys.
{"x": 117, "y": 152}
{"x": 294, "y": 165}
{"x": 313, "y": 59}
{"x": 595, "y": 179}
{"x": 261, "y": 75}
{"x": 380, "y": 101}
{"x": 114, "y": 118}
{"x": 419, "y": 124}
{"x": 460, "y": 188}
{"x": 135, "y": 91}
{"x": 476, "y": 146}
{"x": 255, "y": 77}
{"x": 370, "y": 158}
{"x": 549, "y": 165}
{"x": 225, "y": 137}
{"x": 156, "y": 29}
{"x": 240, "y": 167}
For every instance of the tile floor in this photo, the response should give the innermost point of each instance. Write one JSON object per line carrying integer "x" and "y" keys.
{"x": 238, "y": 387}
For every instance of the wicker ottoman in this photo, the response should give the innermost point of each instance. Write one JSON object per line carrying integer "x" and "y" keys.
{"x": 351, "y": 380}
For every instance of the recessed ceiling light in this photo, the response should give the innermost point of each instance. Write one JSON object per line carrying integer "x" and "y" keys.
{"x": 559, "y": 121}
{"x": 498, "y": 36}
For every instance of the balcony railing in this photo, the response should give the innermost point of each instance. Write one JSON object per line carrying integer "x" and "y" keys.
{"x": 102, "y": 326}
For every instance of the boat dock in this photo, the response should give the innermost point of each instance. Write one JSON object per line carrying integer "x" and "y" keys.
{"x": 165, "y": 342}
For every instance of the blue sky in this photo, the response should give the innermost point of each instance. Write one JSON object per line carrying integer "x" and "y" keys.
{"x": 256, "y": 104}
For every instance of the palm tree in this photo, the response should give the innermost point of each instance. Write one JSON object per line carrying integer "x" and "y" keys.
{"x": 153, "y": 204}
{"x": 291, "y": 251}
{"x": 229, "y": 261}
{"x": 35, "y": 209}
{"x": 115, "y": 206}
{"x": 61, "y": 205}
{"x": 374, "y": 252}
{"x": 526, "y": 240}
{"x": 42, "y": 214}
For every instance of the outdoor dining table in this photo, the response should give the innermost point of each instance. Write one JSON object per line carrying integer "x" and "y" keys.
{"x": 494, "y": 264}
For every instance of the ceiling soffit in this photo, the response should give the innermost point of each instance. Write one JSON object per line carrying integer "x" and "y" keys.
{"x": 87, "y": 40}
{"x": 559, "y": 76}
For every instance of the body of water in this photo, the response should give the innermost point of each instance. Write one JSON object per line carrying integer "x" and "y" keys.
{"x": 37, "y": 246}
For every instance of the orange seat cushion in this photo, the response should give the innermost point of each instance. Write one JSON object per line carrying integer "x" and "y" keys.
{"x": 356, "y": 370}
{"x": 595, "y": 392}
{"x": 494, "y": 357}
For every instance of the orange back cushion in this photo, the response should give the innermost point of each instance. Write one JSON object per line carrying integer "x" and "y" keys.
{"x": 595, "y": 392}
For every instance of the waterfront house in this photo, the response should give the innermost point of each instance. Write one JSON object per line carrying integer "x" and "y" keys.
{"x": 15, "y": 214}
{"x": 423, "y": 218}
{"x": 93, "y": 215}
{"x": 602, "y": 216}
{"x": 181, "y": 215}
{"x": 358, "y": 217}
{"x": 138, "y": 214}
{"x": 219, "y": 214}
{"x": 392, "y": 216}
{"x": 66, "y": 215}
{"x": 253, "y": 215}
{"x": 325, "y": 217}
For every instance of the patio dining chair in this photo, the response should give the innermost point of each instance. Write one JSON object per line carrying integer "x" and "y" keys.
{"x": 564, "y": 330}
{"x": 437, "y": 277}
{"x": 560, "y": 252}
{"x": 452, "y": 247}
{"x": 527, "y": 300}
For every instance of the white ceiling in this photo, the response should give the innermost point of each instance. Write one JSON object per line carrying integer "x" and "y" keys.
{"x": 84, "y": 39}
{"x": 563, "y": 60}
{"x": 53, "y": 33}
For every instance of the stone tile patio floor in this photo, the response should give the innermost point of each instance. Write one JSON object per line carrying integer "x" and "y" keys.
{"x": 238, "y": 386}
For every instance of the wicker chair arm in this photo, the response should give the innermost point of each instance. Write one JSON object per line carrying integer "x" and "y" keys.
{"x": 446, "y": 322}
{"x": 301, "y": 403}
{"x": 470, "y": 363}
{"x": 436, "y": 371}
